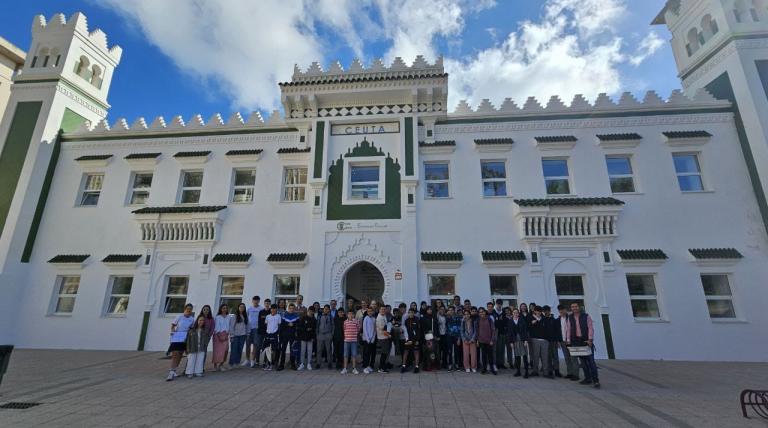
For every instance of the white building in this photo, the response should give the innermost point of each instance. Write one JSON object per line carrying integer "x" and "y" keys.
{"x": 652, "y": 212}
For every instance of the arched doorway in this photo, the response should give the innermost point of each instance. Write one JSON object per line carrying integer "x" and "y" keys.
{"x": 363, "y": 280}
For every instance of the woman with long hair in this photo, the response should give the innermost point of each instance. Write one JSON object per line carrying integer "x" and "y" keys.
{"x": 221, "y": 338}
{"x": 238, "y": 331}
{"x": 210, "y": 326}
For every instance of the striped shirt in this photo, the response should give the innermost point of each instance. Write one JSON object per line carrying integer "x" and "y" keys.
{"x": 350, "y": 330}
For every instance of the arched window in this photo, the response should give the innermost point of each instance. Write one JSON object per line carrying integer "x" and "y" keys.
{"x": 82, "y": 68}
{"x": 760, "y": 8}
{"x": 693, "y": 41}
{"x": 45, "y": 55}
{"x": 708, "y": 28}
{"x": 56, "y": 57}
{"x": 740, "y": 12}
{"x": 96, "y": 77}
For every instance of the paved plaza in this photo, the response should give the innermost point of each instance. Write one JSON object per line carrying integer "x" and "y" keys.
{"x": 107, "y": 388}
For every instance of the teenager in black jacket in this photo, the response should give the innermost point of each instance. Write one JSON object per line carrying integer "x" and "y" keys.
{"x": 517, "y": 335}
{"x": 338, "y": 337}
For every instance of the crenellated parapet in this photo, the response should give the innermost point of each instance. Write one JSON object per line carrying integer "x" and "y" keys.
{"x": 602, "y": 104}
{"x": 77, "y": 23}
{"x": 356, "y": 72}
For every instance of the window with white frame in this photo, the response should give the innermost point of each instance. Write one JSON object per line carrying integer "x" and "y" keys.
{"x": 119, "y": 295}
{"x": 65, "y": 294}
{"x": 717, "y": 290}
{"x": 140, "y": 185}
{"x": 504, "y": 287}
{"x": 244, "y": 181}
{"x": 191, "y": 186}
{"x": 294, "y": 184}
{"x": 364, "y": 180}
{"x": 570, "y": 289}
{"x": 287, "y": 287}
{"x": 556, "y": 177}
{"x": 437, "y": 179}
{"x": 89, "y": 196}
{"x": 176, "y": 289}
{"x": 620, "y": 173}
{"x": 688, "y": 172}
{"x": 643, "y": 296}
{"x": 494, "y": 174}
{"x": 231, "y": 291}
{"x": 441, "y": 287}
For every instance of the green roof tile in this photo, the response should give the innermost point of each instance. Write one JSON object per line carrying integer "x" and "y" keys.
{"x": 93, "y": 157}
{"x": 567, "y": 202}
{"x": 652, "y": 254}
{"x": 503, "y": 256}
{"x": 493, "y": 141}
{"x": 441, "y": 256}
{"x": 121, "y": 258}
{"x": 200, "y": 153}
{"x": 231, "y": 257}
{"x": 286, "y": 257}
{"x": 715, "y": 253}
{"x": 69, "y": 258}
{"x": 686, "y": 134}
{"x": 293, "y": 150}
{"x": 619, "y": 137}
{"x": 143, "y": 156}
{"x": 182, "y": 209}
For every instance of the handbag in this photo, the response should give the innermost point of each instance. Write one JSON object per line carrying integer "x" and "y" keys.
{"x": 580, "y": 351}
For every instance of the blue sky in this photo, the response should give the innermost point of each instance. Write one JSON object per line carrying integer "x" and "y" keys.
{"x": 206, "y": 56}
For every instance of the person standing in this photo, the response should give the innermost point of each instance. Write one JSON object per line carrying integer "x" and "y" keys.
{"x": 338, "y": 337}
{"x": 254, "y": 339}
{"x": 288, "y": 336}
{"x": 397, "y": 332}
{"x": 442, "y": 337}
{"x": 554, "y": 337}
{"x": 179, "y": 328}
{"x": 197, "y": 342}
{"x": 429, "y": 332}
{"x": 300, "y": 304}
{"x": 238, "y": 331}
{"x": 486, "y": 331}
{"x": 306, "y": 331}
{"x": 453, "y": 339}
{"x": 539, "y": 333}
{"x": 501, "y": 334}
{"x": 272, "y": 323}
{"x": 334, "y": 308}
{"x": 369, "y": 341}
{"x": 469, "y": 342}
{"x": 571, "y": 363}
{"x": 210, "y": 325}
{"x": 325, "y": 337}
{"x": 383, "y": 339}
{"x": 517, "y": 334}
{"x": 221, "y": 338}
{"x": 412, "y": 335}
{"x": 581, "y": 333}
{"x": 351, "y": 329}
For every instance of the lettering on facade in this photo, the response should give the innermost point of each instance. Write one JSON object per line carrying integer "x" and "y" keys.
{"x": 365, "y": 128}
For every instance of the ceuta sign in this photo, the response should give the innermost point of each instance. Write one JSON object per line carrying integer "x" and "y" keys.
{"x": 365, "y": 128}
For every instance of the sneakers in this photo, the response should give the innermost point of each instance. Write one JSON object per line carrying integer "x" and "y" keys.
{"x": 367, "y": 370}
{"x": 253, "y": 364}
{"x": 189, "y": 376}
{"x": 171, "y": 376}
{"x": 416, "y": 369}
{"x": 383, "y": 371}
{"x": 403, "y": 369}
{"x": 309, "y": 366}
{"x": 596, "y": 384}
{"x": 343, "y": 371}
{"x": 269, "y": 368}
{"x": 586, "y": 382}
{"x": 301, "y": 367}
{"x": 245, "y": 363}
{"x": 468, "y": 370}
{"x": 474, "y": 370}
{"x": 198, "y": 375}
{"x": 354, "y": 371}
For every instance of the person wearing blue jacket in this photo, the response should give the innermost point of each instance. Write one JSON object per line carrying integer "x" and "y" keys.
{"x": 288, "y": 335}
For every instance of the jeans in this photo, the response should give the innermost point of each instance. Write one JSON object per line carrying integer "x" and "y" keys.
{"x": 350, "y": 350}
{"x": 369, "y": 354}
{"x": 306, "y": 352}
{"x": 338, "y": 352}
{"x": 540, "y": 352}
{"x": 385, "y": 347}
{"x": 588, "y": 362}
{"x": 286, "y": 344}
{"x": 253, "y": 344}
{"x": 487, "y": 350}
{"x": 236, "y": 351}
{"x": 453, "y": 352}
{"x": 470, "y": 355}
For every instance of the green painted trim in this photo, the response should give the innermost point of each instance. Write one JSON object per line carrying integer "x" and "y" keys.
{"x": 721, "y": 88}
{"x": 143, "y": 333}
{"x": 562, "y": 116}
{"x": 720, "y": 47}
{"x": 762, "y": 73}
{"x": 14, "y": 152}
{"x": 608, "y": 337}
{"x": 69, "y": 121}
{"x": 319, "y": 143}
{"x": 336, "y": 210}
{"x": 364, "y": 148}
{"x": 409, "y": 146}
{"x": 69, "y": 85}
{"x": 180, "y": 134}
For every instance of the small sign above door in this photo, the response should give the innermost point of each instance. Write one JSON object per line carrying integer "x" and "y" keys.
{"x": 365, "y": 128}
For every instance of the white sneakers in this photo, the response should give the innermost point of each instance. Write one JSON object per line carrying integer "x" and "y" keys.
{"x": 301, "y": 367}
{"x": 253, "y": 363}
{"x": 171, "y": 376}
{"x": 467, "y": 370}
{"x": 245, "y": 363}
{"x": 343, "y": 371}
{"x": 309, "y": 366}
{"x": 354, "y": 371}
{"x": 367, "y": 370}
{"x": 474, "y": 370}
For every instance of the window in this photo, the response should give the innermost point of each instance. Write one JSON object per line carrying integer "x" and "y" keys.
{"x": 717, "y": 291}
{"x": 364, "y": 182}
{"x": 294, "y": 184}
{"x": 643, "y": 297}
{"x": 119, "y": 294}
{"x": 245, "y": 179}
{"x": 436, "y": 176}
{"x": 91, "y": 189}
{"x": 570, "y": 289}
{"x": 504, "y": 287}
{"x": 287, "y": 287}
{"x": 176, "y": 294}
{"x": 141, "y": 183}
{"x": 66, "y": 292}
{"x": 191, "y": 185}
{"x": 494, "y": 175}
{"x": 620, "y": 174}
{"x": 231, "y": 291}
{"x": 556, "y": 176}
{"x": 688, "y": 172}
{"x": 442, "y": 287}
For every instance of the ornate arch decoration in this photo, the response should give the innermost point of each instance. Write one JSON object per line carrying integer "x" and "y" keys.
{"x": 363, "y": 249}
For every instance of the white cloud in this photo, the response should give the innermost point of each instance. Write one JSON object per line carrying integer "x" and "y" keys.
{"x": 647, "y": 47}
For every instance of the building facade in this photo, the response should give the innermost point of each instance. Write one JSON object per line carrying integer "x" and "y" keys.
{"x": 649, "y": 212}
{"x": 11, "y": 59}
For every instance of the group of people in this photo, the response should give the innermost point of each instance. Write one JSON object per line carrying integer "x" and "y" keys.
{"x": 459, "y": 336}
